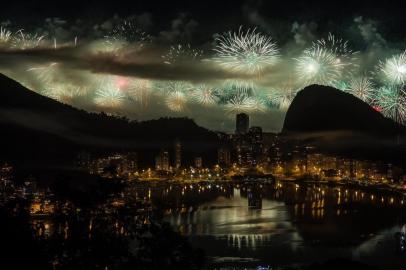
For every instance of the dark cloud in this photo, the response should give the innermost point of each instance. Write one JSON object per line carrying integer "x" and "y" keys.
{"x": 144, "y": 63}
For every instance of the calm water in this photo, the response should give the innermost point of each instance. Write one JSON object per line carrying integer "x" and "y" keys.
{"x": 285, "y": 223}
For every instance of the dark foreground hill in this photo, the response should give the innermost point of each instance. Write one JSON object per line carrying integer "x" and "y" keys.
{"x": 341, "y": 123}
{"x": 38, "y": 130}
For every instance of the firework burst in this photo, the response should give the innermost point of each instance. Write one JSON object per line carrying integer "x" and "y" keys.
{"x": 340, "y": 49}
{"x": 46, "y": 74}
{"x": 140, "y": 91}
{"x": 109, "y": 97}
{"x": 23, "y": 41}
{"x": 394, "y": 69}
{"x": 392, "y": 102}
{"x": 243, "y": 103}
{"x": 248, "y": 51}
{"x": 176, "y": 101}
{"x": 282, "y": 96}
{"x": 341, "y": 85}
{"x": 5, "y": 36}
{"x": 205, "y": 95}
{"x": 319, "y": 66}
{"x": 182, "y": 53}
{"x": 237, "y": 87}
{"x": 362, "y": 88}
{"x": 173, "y": 86}
{"x": 65, "y": 93}
{"x": 127, "y": 31}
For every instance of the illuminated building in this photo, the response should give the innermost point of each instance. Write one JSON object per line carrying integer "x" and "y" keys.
{"x": 256, "y": 144}
{"x": 254, "y": 197}
{"x": 122, "y": 165}
{"x": 243, "y": 152}
{"x": 242, "y": 124}
{"x": 198, "y": 162}
{"x": 6, "y": 172}
{"x": 224, "y": 158}
{"x": 178, "y": 154}
{"x": 162, "y": 161}
{"x": 84, "y": 160}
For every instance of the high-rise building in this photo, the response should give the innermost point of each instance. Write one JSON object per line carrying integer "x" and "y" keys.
{"x": 242, "y": 123}
{"x": 131, "y": 164}
{"x": 224, "y": 158}
{"x": 178, "y": 154}
{"x": 198, "y": 162}
{"x": 256, "y": 145}
{"x": 84, "y": 160}
{"x": 162, "y": 161}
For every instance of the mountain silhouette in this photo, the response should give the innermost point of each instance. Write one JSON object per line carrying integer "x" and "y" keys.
{"x": 339, "y": 123}
{"x": 37, "y": 129}
{"x": 322, "y": 108}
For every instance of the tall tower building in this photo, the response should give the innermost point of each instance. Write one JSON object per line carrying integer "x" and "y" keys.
{"x": 162, "y": 161}
{"x": 198, "y": 162}
{"x": 178, "y": 154}
{"x": 242, "y": 123}
{"x": 256, "y": 145}
{"x": 224, "y": 158}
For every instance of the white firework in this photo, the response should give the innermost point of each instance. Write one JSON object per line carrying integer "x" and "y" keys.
{"x": 394, "y": 69}
{"x": 204, "y": 95}
{"x": 5, "y": 35}
{"x": 248, "y": 51}
{"x": 238, "y": 87}
{"x": 318, "y": 66}
{"x": 173, "y": 86}
{"x": 362, "y": 88}
{"x": 282, "y": 96}
{"x": 176, "y": 101}
{"x": 129, "y": 32}
{"x": 140, "y": 91}
{"x": 46, "y": 74}
{"x": 109, "y": 97}
{"x": 340, "y": 49}
{"x": 65, "y": 93}
{"x": 23, "y": 41}
{"x": 243, "y": 103}
{"x": 182, "y": 53}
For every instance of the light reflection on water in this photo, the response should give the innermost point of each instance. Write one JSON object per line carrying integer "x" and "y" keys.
{"x": 294, "y": 226}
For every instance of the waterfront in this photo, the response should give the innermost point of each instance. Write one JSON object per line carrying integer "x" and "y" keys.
{"x": 284, "y": 224}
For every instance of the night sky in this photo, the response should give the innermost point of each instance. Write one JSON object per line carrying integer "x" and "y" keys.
{"x": 168, "y": 55}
